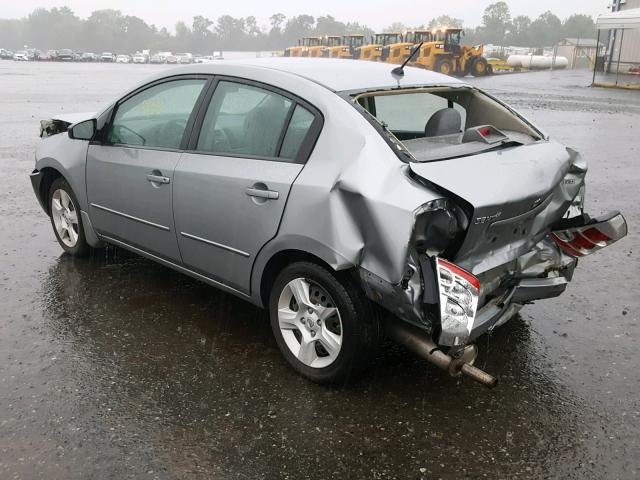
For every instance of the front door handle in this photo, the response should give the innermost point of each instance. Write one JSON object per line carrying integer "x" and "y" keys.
{"x": 158, "y": 179}
{"x": 258, "y": 192}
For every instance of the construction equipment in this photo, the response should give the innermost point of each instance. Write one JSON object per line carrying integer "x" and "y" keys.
{"x": 373, "y": 51}
{"x": 398, "y": 52}
{"x": 446, "y": 54}
{"x": 307, "y": 47}
{"x": 498, "y": 65}
{"x": 330, "y": 42}
{"x": 345, "y": 49}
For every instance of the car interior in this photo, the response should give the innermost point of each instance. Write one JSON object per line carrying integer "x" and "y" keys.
{"x": 438, "y": 123}
{"x": 246, "y": 120}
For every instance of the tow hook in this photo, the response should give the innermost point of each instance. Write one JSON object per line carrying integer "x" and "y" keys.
{"x": 416, "y": 340}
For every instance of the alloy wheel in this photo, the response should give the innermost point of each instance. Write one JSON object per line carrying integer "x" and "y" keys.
{"x": 65, "y": 218}
{"x": 310, "y": 323}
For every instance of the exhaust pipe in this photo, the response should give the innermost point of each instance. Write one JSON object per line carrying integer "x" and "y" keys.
{"x": 415, "y": 340}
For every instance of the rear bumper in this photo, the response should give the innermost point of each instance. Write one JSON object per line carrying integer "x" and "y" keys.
{"x": 500, "y": 310}
{"x": 542, "y": 273}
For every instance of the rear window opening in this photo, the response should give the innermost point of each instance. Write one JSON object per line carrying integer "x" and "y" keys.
{"x": 438, "y": 123}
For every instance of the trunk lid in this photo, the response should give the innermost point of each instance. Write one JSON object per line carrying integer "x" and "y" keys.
{"x": 516, "y": 195}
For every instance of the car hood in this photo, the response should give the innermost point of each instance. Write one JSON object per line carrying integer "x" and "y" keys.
{"x": 71, "y": 118}
{"x": 513, "y": 196}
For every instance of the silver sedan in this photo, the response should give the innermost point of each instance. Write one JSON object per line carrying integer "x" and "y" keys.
{"x": 346, "y": 198}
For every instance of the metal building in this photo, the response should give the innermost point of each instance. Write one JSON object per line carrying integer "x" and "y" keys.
{"x": 624, "y": 39}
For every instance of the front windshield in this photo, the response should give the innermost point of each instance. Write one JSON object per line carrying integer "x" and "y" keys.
{"x": 454, "y": 38}
{"x": 439, "y": 122}
{"x": 311, "y": 42}
{"x": 387, "y": 38}
{"x": 354, "y": 41}
{"x": 422, "y": 37}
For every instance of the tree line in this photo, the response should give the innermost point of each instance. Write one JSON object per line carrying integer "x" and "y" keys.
{"x": 111, "y": 30}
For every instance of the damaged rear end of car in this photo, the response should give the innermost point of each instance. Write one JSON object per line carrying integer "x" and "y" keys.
{"x": 508, "y": 229}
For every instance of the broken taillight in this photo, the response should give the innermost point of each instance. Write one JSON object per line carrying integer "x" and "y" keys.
{"x": 459, "y": 291}
{"x": 589, "y": 238}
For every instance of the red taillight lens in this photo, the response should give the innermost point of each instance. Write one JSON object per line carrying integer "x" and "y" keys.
{"x": 460, "y": 272}
{"x": 595, "y": 235}
{"x": 581, "y": 241}
{"x": 458, "y": 294}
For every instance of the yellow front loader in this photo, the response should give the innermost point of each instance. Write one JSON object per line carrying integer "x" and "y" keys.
{"x": 306, "y": 47}
{"x": 373, "y": 51}
{"x": 446, "y": 54}
{"x": 398, "y": 52}
{"x": 345, "y": 49}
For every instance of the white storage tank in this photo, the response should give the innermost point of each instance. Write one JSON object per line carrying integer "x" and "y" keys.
{"x": 536, "y": 62}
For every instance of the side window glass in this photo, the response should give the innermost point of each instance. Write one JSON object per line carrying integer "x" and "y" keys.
{"x": 299, "y": 126}
{"x": 243, "y": 120}
{"x": 156, "y": 117}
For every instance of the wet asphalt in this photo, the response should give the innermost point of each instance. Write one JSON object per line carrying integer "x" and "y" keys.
{"x": 115, "y": 367}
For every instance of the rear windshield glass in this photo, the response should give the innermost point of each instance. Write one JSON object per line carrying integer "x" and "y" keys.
{"x": 430, "y": 124}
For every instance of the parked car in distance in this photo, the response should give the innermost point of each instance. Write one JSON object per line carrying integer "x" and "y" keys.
{"x": 185, "y": 58}
{"x": 123, "y": 59}
{"x": 140, "y": 58}
{"x": 107, "y": 57}
{"x": 6, "y": 54}
{"x": 89, "y": 57}
{"x": 47, "y": 56}
{"x": 328, "y": 192}
{"x": 172, "y": 59}
{"x": 156, "y": 59}
{"x": 21, "y": 56}
{"x": 203, "y": 59}
{"x": 66, "y": 55}
{"x": 33, "y": 54}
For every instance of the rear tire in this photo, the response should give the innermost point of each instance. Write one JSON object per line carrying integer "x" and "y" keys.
{"x": 66, "y": 220}
{"x": 323, "y": 324}
{"x": 444, "y": 66}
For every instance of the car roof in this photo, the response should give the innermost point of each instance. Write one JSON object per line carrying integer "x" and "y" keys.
{"x": 338, "y": 74}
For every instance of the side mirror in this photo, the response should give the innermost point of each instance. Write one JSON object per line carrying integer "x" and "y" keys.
{"x": 83, "y": 130}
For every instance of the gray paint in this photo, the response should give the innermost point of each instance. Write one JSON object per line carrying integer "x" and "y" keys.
{"x": 353, "y": 204}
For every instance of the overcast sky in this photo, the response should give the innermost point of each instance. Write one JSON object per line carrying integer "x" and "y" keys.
{"x": 375, "y": 13}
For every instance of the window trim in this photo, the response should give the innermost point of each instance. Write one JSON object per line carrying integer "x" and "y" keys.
{"x": 190, "y": 122}
{"x": 307, "y": 146}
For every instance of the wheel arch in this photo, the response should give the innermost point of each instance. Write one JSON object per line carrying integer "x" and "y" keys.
{"x": 49, "y": 175}
{"x": 281, "y": 252}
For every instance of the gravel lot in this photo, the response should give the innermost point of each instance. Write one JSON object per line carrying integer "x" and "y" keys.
{"x": 115, "y": 367}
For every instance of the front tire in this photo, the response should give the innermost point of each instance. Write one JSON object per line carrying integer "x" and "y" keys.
{"x": 444, "y": 66}
{"x": 323, "y": 324}
{"x": 480, "y": 67}
{"x": 66, "y": 220}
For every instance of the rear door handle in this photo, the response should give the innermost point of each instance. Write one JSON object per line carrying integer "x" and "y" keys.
{"x": 268, "y": 194}
{"x": 158, "y": 179}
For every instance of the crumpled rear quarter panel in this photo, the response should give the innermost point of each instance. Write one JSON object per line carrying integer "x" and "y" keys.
{"x": 354, "y": 197}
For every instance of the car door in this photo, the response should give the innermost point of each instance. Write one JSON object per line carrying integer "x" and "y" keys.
{"x": 231, "y": 187}
{"x": 130, "y": 172}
